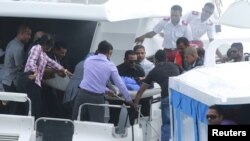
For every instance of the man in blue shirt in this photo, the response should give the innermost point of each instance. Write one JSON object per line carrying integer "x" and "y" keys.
{"x": 98, "y": 69}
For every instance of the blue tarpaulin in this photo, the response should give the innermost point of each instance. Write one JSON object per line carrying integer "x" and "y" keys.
{"x": 190, "y": 107}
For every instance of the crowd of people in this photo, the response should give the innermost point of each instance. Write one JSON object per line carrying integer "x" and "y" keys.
{"x": 95, "y": 76}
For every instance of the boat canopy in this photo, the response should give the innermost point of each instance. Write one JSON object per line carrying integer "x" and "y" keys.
{"x": 222, "y": 84}
{"x": 92, "y": 10}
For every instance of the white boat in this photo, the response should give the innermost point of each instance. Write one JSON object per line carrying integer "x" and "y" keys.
{"x": 85, "y": 23}
{"x": 81, "y": 24}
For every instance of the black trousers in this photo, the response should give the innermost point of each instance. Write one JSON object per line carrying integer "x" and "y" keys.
{"x": 115, "y": 112}
{"x": 34, "y": 93}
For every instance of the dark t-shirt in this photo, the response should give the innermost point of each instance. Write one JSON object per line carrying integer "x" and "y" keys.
{"x": 135, "y": 72}
{"x": 161, "y": 73}
{"x": 62, "y": 62}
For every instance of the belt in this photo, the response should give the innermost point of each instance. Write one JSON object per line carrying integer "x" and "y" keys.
{"x": 91, "y": 93}
{"x": 170, "y": 49}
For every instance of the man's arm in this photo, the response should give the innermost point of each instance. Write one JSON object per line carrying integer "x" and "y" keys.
{"x": 148, "y": 80}
{"x": 61, "y": 70}
{"x": 218, "y": 53}
{"x": 142, "y": 89}
{"x": 120, "y": 84}
{"x": 156, "y": 30}
{"x": 140, "y": 39}
{"x": 19, "y": 57}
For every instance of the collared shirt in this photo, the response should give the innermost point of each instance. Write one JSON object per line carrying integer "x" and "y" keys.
{"x": 147, "y": 65}
{"x": 37, "y": 62}
{"x": 172, "y": 32}
{"x": 97, "y": 72}
{"x": 199, "y": 28}
{"x": 13, "y": 61}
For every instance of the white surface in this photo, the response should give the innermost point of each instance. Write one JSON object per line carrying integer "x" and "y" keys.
{"x": 216, "y": 83}
{"x": 220, "y": 84}
{"x": 112, "y": 10}
{"x": 152, "y": 128}
{"x": 239, "y": 11}
{"x": 9, "y": 96}
{"x": 17, "y": 125}
{"x": 102, "y": 132}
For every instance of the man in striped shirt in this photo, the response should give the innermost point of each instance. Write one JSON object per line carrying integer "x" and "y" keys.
{"x": 34, "y": 70}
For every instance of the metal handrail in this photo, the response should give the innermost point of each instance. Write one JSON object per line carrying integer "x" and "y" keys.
{"x": 29, "y": 101}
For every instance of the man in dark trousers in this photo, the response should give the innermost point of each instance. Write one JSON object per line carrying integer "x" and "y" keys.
{"x": 98, "y": 69}
{"x": 129, "y": 68}
{"x": 160, "y": 74}
{"x": 13, "y": 63}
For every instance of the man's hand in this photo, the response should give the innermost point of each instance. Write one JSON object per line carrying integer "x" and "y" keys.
{"x": 64, "y": 72}
{"x": 110, "y": 93}
{"x": 130, "y": 103}
{"x": 68, "y": 73}
{"x": 61, "y": 73}
{"x": 32, "y": 76}
{"x": 139, "y": 40}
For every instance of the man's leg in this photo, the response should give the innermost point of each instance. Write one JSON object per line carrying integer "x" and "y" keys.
{"x": 114, "y": 113}
{"x": 96, "y": 113}
{"x": 78, "y": 101}
{"x": 165, "y": 128}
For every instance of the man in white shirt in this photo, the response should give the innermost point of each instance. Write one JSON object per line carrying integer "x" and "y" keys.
{"x": 173, "y": 28}
{"x": 143, "y": 61}
{"x": 201, "y": 23}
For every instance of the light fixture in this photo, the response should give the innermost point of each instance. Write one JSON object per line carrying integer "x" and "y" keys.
{"x": 237, "y": 15}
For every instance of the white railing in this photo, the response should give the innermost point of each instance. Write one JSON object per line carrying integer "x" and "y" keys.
{"x": 17, "y": 97}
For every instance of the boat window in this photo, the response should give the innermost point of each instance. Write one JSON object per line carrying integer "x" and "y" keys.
{"x": 224, "y": 48}
{"x": 76, "y": 34}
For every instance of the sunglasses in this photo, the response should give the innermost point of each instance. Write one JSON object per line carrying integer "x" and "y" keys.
{"x": 234, "y": 51}
{"x": 212, "y": 117}
{"x": 132, "y": 61}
